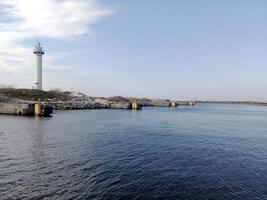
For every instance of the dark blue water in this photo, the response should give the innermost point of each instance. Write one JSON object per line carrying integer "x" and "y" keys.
{"x": 201, "y": 152}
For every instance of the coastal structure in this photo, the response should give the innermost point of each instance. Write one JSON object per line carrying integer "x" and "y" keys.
{"x": 136, "y": 106}
{"x": 28, "y": 109}
{"x": 125, "y": 105}
{"x": 17, "y": 109}
{"x": 173, "y": 104}
{"x": 38, "y": 51}
{"x": 187, "y": 103}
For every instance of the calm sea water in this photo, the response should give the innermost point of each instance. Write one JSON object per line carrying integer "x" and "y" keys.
{"x": 201, "y": 152}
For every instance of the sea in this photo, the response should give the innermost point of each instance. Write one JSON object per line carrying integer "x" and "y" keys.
{"x": 203, "y": 152}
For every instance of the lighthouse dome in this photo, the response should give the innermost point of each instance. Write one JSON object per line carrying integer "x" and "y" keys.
{"x": 38, "y": 49}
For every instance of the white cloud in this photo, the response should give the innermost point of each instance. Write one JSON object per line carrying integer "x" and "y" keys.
{"x": 58, "y": 19}
{"x": 54, "y": 19}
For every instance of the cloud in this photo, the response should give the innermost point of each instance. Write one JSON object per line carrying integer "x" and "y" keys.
{"x": 56, "y": 19}
{"x": 20, "y": 20}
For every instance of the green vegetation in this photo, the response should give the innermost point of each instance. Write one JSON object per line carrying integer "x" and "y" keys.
{"x": 32, "y": 94}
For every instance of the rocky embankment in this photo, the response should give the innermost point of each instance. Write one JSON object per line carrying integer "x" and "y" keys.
{"x": 69, "y": 100}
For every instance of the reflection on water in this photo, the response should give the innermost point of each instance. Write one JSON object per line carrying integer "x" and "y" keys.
{"x": 201, "y": 152}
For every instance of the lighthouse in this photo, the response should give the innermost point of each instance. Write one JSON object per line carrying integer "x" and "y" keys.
{"x": 38, "y": 51}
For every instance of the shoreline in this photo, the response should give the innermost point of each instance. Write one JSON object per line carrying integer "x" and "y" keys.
{"x": 258, "y": 103}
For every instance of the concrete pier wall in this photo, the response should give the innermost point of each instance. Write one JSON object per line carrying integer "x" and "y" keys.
{"x": 187, "y": 103}
{"x": 135, "y": 106}
{"x": 120, "y": 106}
{"x": 130, "y": 106}
{"x": 16, "y": 109}
{"x": 173, "y": 104}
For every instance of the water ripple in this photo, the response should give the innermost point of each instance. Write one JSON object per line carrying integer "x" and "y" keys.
{"x": 204, "y": 153}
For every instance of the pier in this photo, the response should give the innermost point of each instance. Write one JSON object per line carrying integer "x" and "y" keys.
{"x": 129, "y": 106}
{"x": 17, "y": 109}
{"x": 26, "y": 109}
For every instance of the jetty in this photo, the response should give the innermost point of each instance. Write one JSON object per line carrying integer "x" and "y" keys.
{"x": 123, "y": 105}
{"x": 186, "y": 103}
{"x": 26, "y": 109}
{"x": 33, "y": 102}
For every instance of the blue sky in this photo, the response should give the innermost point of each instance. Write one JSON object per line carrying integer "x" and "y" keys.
{"x": 146, "y": 48}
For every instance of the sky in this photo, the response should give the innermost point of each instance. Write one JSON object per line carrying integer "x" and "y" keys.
{"x": 175, "y": 49}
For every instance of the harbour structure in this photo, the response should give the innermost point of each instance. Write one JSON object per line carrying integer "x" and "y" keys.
{"x": 39, "y": 52}
{"x": 16, "y": 108}
{"x": 173, "y": 104}
{"x": 186, "y": 103}
{"x": 120, "y": 105}
{"x": 136, "y": 106}
{"x": 125, "y": 105}
{"x": 28, "y": 109}
{"x": 42, "y": 110}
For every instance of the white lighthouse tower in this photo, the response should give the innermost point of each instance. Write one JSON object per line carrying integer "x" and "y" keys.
{"x": 38, "y": 51}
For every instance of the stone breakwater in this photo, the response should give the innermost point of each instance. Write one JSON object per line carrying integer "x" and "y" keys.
{"x": 70, "y": 100}
{"x": 105, "y": 104}
{"x": 81, "y": 105}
